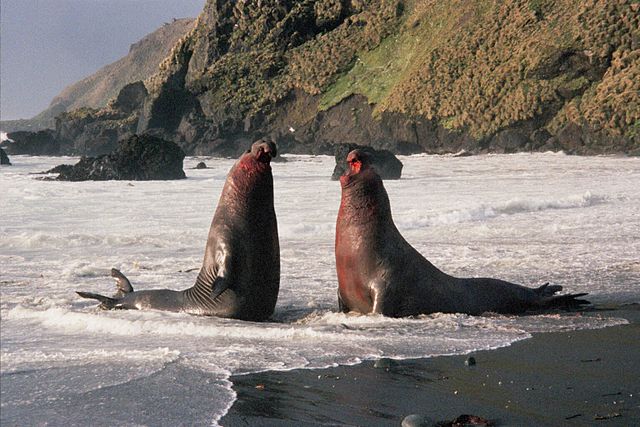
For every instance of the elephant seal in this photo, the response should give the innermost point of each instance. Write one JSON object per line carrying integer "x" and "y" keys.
{"x": 380, "y": 272}
{"x": 240, "y": 274}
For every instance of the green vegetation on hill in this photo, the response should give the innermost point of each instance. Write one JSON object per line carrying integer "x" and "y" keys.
{"x": 420, "y": 74}
{"x": 476, "y": 67}
{"x": 483, "y": 66}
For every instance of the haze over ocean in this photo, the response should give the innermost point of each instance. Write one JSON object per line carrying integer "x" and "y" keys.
{"x": 50, "y": 44}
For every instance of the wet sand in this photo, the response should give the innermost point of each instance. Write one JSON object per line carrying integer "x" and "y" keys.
{"x": 589, "y": 377}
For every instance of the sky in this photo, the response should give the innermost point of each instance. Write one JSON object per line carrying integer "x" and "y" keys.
{"x": 46, "y": 45}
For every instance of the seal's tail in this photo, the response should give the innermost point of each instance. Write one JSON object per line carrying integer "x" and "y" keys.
{"x": 105, "y": 302}
{"x": 550, "y": 300}
{"x": 122, "y": 284}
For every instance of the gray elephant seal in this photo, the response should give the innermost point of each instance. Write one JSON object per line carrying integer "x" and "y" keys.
{"x": 379, "y": 272}
{"x": 240, "y": 274}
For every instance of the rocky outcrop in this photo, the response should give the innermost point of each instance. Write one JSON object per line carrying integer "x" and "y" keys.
{"x": 436, "y": 77}
{"x": 4, "y": 159}
{"x": 94, "y": 132}
{"x": 130, "y": 98}
{"x": 200, "y": 165}
{"x": 136, "y": 158}
{"x": 41, "y": 143}
{"x": 385, "y": 163}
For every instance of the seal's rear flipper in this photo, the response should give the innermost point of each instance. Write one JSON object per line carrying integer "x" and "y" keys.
{"x": 106, "y": 302}
{"x": 123, "y": 284}
{"x": 565, "y": 301}
{"x": 547, "y": 291}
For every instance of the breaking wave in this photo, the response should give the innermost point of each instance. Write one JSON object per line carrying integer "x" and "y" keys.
{"x": 514, "y": 206}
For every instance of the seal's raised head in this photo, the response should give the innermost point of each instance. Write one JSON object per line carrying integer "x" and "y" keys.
{"x": 253, "y": 170}
{"x": 263, "y": 150}
{"x": 358, "y": 162}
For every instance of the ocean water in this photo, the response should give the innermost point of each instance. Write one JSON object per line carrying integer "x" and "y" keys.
{"x": 526, "y": 218}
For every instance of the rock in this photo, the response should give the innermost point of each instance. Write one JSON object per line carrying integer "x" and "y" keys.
{"x": 538, "y": 138}
{"x": 140, "y": 158}
{"x": 90, "y": 132}
{"x": 386, "y": 163}
{"x": 571, "y": 137}
{"x": 130, "y": 98}
{"x": 201, "y": 165}
{"x": 471, "y": 361}
{"x": 66, "y": 169}
{"x": 509, "y": 141}
{"x": 416, "y": 420}
{"x": 41, "y": 143}
{"x": 4, "y": 159}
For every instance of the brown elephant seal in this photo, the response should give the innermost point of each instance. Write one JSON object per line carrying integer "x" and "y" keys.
{"x": 379, "y": 272}
{"x": 240, "y": 274}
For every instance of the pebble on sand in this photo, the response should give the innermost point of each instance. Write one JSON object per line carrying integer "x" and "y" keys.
{"x": 416, "y": 420}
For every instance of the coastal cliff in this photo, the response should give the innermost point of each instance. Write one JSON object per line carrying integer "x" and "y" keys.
{"x": 408, "y": 76}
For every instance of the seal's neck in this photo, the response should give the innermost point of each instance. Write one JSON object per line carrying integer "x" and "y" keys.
{"x": 249, "y": 180}
{"x": 364, "y": 199}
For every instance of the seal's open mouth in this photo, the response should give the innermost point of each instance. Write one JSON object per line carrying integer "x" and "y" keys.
{"x": 264, "y": 156}
{"x": 354, "y": 166}
{"x": 266, "y": 151}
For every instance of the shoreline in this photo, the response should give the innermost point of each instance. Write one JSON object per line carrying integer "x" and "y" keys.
{"x": 580, "y": 377}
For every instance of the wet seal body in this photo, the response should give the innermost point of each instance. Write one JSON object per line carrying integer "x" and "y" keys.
{"x": 380, "y": 272}
{"x": 240, "y": 274}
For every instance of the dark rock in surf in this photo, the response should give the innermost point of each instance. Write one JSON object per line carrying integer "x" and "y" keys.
{"x": 384, "y": 161}
{"x": 61, "y": 169}
{"x": 201, "y": 165}
{"x": 139, "y": 158}
{"x": 4, "y": 159}
{"x": 41, "y": 143}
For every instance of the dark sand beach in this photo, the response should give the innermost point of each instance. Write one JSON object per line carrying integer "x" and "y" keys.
{"x": 587, "y": 377}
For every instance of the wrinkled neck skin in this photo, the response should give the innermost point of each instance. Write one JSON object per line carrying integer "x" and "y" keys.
{"x": 249, "y": 182}
{"x": 364, "y": 201}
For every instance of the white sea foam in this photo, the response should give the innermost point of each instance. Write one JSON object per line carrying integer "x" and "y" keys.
{"x": 525, "y": 218}
{"x": 483, "y": 212}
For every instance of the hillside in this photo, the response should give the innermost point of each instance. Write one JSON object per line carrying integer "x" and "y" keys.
{"x": 498, "y": 76}
{"x": 96, "y": 90}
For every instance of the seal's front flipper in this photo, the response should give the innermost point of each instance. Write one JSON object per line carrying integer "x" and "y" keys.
{"x": 220, "y": 284}
{"x": 123, "y": 284}
{"x": 105, "y": 302}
